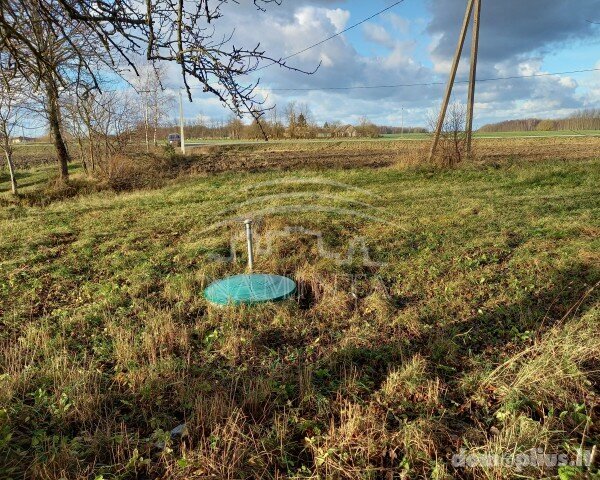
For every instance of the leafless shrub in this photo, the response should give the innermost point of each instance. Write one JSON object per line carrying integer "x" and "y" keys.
{"x": 452, "y": 143}
{"x": 367, "y": 128}
{"x": 125, "y": 172}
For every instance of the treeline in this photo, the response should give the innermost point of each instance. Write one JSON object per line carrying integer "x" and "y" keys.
{"x": 294, "y": 121}
{"x": 588, "y": 119}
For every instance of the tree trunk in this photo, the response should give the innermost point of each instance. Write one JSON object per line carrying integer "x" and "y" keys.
{"x": 54, "y": 119}
{"x": 11, "y": 169}
{"x": 88, "y": 125}
{"x": 91, "y": 147}
{"x": 82, "y": 154}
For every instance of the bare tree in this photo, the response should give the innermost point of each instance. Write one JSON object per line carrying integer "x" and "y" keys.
{"x": 169, "y": 31}
{"x": 102, "y": 124}
{"x": 291, "y": 115}
{"x": 305, "y": 111}
{"x": 113, "y": 122}
{"x": 366, "y": 128}
{"x": 235, "y": 127}
{"x": 78, "y": 129}
{"x": 157, "y": 101}
{"x": 56, "y": 56}
{"x": 277, "y": 129}
{"x": 13, "y": 112}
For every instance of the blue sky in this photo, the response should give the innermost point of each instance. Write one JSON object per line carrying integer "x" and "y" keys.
{"x": 413, "y": 43}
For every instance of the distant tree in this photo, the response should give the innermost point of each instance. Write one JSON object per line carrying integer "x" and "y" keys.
{"x": 302, "y": 121}
{"x": 276, "y": 127}
{"x": 78, "y": 125}
{"x": 235, "y": 127}
{"x": 366, "y": 128}
{"x": 291, "y": 116}
{"x": 306, "y": 112}
{"x": 254, "y": 130}
{"x": 546, "y": 126}
{"x": 588, "y": 119}
{"x": 521, "y": 125}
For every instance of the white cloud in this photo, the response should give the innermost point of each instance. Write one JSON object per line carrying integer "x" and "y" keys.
{"x": 401, "y": 56}
{"x": 339, "y": 18}
{"x": 401, "y": 24}
{"x": 378, "y": 34}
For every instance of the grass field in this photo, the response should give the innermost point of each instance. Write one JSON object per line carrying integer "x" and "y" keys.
{"x": 466, "y": 317}
{"x": 558, "y": 133}
{"x": 407, "y": 136}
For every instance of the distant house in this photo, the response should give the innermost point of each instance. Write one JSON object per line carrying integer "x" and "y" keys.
{"x": 345, "y": 131}
{"x": 16, "y": 140}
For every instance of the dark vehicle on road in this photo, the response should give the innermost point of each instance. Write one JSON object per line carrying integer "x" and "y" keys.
{"x": 174, "y": 139}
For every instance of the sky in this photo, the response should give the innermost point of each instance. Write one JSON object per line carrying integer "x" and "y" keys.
{"x": 414, "y": 42}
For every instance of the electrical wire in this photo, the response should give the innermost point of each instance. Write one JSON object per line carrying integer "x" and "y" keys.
{"x": 331, "y": 37}
{"x": 427, "y": 84}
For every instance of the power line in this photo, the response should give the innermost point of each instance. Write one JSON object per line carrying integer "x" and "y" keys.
{"x": 332, "y": 36}
{"x": 424, "y": 84}
{"x": 427, "y": 84}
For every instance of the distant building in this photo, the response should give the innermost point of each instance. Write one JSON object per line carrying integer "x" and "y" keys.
{"x": 16, "y": 140}
{"x": 345, "y": 131}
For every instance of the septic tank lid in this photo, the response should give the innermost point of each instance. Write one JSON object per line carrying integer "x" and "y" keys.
{"x": 250, "y": 289}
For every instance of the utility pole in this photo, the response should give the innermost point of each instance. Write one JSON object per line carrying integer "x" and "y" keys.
{"x": 473, "y": 74}
{"x": 181, "y": 134}
{"x": 146, "y": 125}
{"x": 402, "y": 122}
{"x": 453, "y": 70}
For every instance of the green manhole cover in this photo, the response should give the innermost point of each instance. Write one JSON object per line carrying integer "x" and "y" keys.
{"x": 250, "y": 289}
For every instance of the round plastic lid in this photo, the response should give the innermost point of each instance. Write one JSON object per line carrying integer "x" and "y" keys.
{"x": 250, "y": 289}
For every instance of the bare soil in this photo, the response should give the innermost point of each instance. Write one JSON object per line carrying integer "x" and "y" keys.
{"x": 351, "y": 154}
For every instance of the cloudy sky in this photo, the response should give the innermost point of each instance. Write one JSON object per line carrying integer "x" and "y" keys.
{"x": 413, "y": 43}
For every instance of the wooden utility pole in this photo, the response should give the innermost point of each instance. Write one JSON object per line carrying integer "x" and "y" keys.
{"x": 473, "y": 74}
{"x": 456, "y": 61}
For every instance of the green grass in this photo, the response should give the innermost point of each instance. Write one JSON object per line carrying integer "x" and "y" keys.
{"x": 557, "y": 133}
{"x": 406, "y": 136}
{"x": 28, "y": 179}
{"x": 106, "y": 342}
